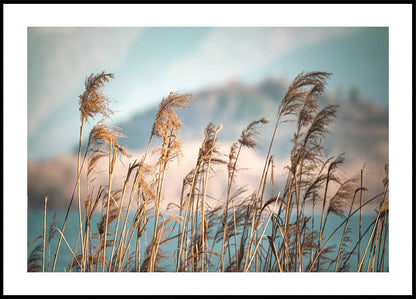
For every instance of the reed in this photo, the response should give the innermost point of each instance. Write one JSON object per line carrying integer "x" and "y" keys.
{"x": 44, "y": 234}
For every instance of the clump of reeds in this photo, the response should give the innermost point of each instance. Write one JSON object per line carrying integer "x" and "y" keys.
{"x": 260, "y": 231}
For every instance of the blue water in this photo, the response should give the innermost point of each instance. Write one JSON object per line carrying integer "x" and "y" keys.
{"x": 35, "y": 229}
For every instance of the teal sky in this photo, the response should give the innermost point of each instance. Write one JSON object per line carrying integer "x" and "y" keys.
{"x": 150, "y": 62}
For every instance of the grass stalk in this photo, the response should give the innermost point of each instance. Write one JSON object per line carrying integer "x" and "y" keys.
{"x": 188, "y": 203}
{"x": 235, "y": 235}
{"x": 225, "y": 234}
{"x": 135, "y": 183}
{"x": 261, "y": 237}
{"x": 360, "y": 265}
{"x": 44, "y": 235}
{"x": 322, "y": 226}
{"x": 338, "y": 227}
{"x": 111, "y": 161}
{"x": 79, "y": 194}
{"x": 119, "y": 214}
{"x": 204, "y": 197}
{"x": 345, "y": 230}
{"x": 361, "y": 215}
{"x": 67, "y": 212}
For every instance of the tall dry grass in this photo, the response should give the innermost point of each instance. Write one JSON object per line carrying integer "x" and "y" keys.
{"x": 241, "y": 233}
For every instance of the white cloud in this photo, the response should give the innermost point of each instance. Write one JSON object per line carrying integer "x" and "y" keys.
{"x": 61, "y": 56}
{"x": 56, "y": 177}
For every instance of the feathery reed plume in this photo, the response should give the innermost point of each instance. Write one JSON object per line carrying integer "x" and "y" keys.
{"x": 333, "y": 166}
{"x": 306, "y": 155}
{"x": 270, "y": 201}
{"x": 145, "y": 171}
{"x": 312, "y": 191}
{"x": 339, "y": 202}
{"x": 232, "y": 159}
{"x": 166, "y": 125}
{"x": 209, "y": 150}
{"x": 250, "y": 134}
{"x": 95, "y": 157}
{"x": 34, "y": 261}
{"x": 101, "y": 135}
{"x": 310, "y": 148}
{"x": 298, "y": 93}
{"x": 93, "y": 101}
{"x": 166, "y": 118}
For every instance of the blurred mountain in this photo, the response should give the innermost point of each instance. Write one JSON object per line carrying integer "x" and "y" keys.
{"x": 361, "y": 124}
{"x": 234, "y": 105}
